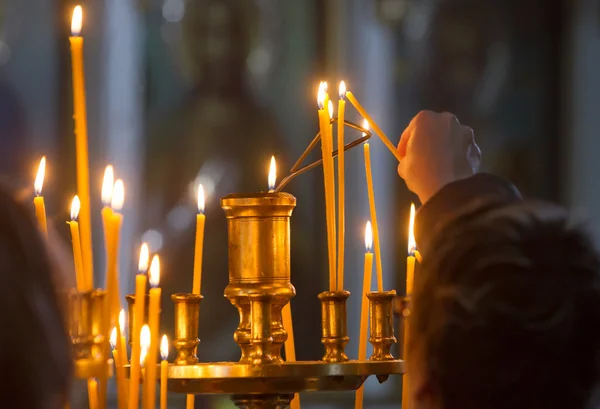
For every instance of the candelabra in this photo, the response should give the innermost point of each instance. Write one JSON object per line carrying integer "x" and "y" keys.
{"x": 259, "y": 288}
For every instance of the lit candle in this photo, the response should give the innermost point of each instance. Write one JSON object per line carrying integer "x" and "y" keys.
{"x": 373, "y": 211}
{"x": 112, "y": 249}
{"x": 341, "y": 187}
{"x": 145, "y": 343}
{"x": 108, "y": 183}
{"x": 74, "y": 227}
{"x": 81, "y": 139}
{"x": 164, "y": 366}
{"x": 38, "y": 200}
{"x": 138, "y": 320}
{"x": 93, "y": 393}
{"x": 364, "y": 308}
{"x": 119, "y": 370}
{"x": 412, "y": 247}
{"x": 272, "y": 178}
{"x": 122, "y": 345}
{"x": 375, "y": 127}
{"x": 153, "y": 322}
{"x": 322, "y": 100}
{"x": 199, "y": 247}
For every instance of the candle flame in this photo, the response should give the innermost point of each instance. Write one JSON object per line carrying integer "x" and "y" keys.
{"x": 122, "y": 321}
{"x": 412, "y": 245}
{"x": 143, "y": 355}
{"x": 154, "y": 272}
{"x": 75, "y": 206}
{"x": 321, "y": 94}
{"x": 113, "y": 338}
{"x": 145, "y": 337}
{"x": 201, "y": 198}
{"x": 107, "y": 185}
{"x": 118, "y": 196}
{"x": 164, "y": 347}
{"x": 330, "y": 107}
{"x": 144, "y": 258}
{"x": 342, "y": 90}
{"x": 77, "y": 21}
{"x": 368, "y": 237}
{"x": 272, "y": 174}
{"x": 365, "y": 126}
{"x": 39, "y": 178}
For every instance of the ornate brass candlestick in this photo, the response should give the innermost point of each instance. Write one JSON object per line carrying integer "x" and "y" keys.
{"x": 382, "y": 324}
{"x": 259, "y": 271}
{"x": 187, "y": 316}
{"x": 334, "y": 325}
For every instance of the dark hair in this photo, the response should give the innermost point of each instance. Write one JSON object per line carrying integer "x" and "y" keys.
{"x": 35, "y": 357}
{"x": 506, "y": 310}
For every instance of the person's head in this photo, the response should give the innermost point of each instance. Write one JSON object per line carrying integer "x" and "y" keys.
{"x": 506, "y": 313}
{"x": 35, "y": 355}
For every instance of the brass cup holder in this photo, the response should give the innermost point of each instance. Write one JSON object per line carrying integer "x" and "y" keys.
{"x": 187, "y": 316}
{"x": 130, "y": 298}
{"x": 85, "y": 324}
{"x": 382, "y": 324}
{"x": 334, "y": 325}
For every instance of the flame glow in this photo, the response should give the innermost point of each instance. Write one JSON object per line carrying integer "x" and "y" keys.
{"x": 77, "y": 21}
{"x": 144, "y": 258}
{"x": 143, "y": 355}
{"x": 412, "y": 245}
{"x": 368, "y": 237}
{"x": 164, "y": 348}
{"x": 154, "y": 272}
{"x": 39, "y": 178}
{"x": 75, "y": 206}
{"x": 330, "y": 107}
{"x": 122, "y": 322}
{"x": 118, "y": 196}
{"x": 365, "y": 126}
{"x": 201, "y": 198}
{"x": 321, "y": 94}
{"x": 342, "y": 90}
{"x": 272, "y": 174}
{"x": 107, "y": 185}
{"x": 145, "y": 337}
{"x": 113, "y": 338}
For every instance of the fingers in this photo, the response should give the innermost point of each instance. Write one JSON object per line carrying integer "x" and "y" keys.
{"x": 409, "y": 131}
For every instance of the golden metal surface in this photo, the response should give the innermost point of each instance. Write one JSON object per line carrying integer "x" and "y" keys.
{"x": 275, "y": 379}
{"x": 85, "y": 324}
{"x": 187, "y": 316}
{"x": 130, "y": 298}
{"x": 93, "y": 368}
{"x": 382, "y": 324}
{"x": 258, "y": 228}
{"x": 334, "y": 325}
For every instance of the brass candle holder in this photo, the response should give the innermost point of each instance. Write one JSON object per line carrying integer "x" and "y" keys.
{"x": 382, "y": 324}
{"x": 130, "y": 298}
{"x": 187, "y": 317}
{"x": 259, "y": 271}
{"x": 334, "y": 325}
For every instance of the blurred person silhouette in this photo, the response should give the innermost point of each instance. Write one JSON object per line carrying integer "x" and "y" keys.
{"x": 35, "y": 350}
{"x": 506, "y": 306}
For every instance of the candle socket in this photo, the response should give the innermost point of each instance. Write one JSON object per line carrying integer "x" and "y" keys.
{"x": 259, "y": 286}
{"x": 85, "y": 323}
{"x": 382, "y": 324}
{"x": 187, "y": 317}
{"x": 130, "y": 298}
{"x": 334, "y": 325}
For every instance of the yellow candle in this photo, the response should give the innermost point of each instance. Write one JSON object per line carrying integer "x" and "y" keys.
{"x": 324, "y": 130}
{"x": 119, "y": 370}
{"x": 93, "y": 393}
{"x": 341, "y": 188}
{"x": 164, "y": 366}
{"x": 74, "y": 226}
{"x": 418, "y": 256}
{"x": 153, "y": 323}
{"x": 138, "y": 320}
{"x": 331, "y": 184}
{"x": 81, "y": 140}
{"x": 375, "y": 127}
{"x": 200, "y": 219}
{"x": 107, "y": 213}
{"x": 373, "y": 211}
{"x": 38, "y": 201}
{"x": 189, "y": 401}
{"x": 114, "y": 221}
{"x": 410, "y": 260}
{"x": 364, "y": 308}
{"x": 122, "y": 348}
{"x": 290, "y": 345}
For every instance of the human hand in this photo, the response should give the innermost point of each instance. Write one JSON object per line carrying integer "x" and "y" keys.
{"x": 436, "y": 150}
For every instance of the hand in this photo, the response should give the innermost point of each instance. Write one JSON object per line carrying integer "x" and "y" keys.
{"x": 436, "y": 150}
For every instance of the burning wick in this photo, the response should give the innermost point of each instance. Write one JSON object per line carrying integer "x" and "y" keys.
{"x": 272, "y": 175}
